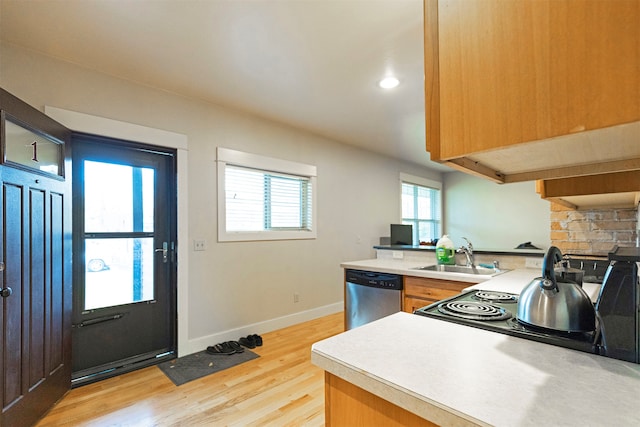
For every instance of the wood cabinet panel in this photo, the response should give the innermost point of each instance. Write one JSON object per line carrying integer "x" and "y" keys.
{"x": 411, "y": 304}
{"x": 422, "y": 291}
{"x": 620, "y": 189}
{"x": 501, "y": 74}
{"x": 349, "y": 405}
{"x": 517, "y": 71}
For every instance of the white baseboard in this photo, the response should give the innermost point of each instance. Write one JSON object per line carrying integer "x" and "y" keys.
{"x": 201, "y": 343}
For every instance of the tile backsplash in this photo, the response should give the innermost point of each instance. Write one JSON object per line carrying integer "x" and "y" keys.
{"x": 592, "y": 231}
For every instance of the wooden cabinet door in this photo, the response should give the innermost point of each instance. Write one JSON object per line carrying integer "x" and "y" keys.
{"x": 505, "y": 72}
{"x": 411, "y": 304}
{"x": 422, "y": 291}
{"x": 35, "y": 308}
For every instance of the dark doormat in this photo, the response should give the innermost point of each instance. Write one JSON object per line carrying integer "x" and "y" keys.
{"x": 197, "y": 365}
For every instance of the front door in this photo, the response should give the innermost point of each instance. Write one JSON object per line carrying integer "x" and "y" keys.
{"x": 124, "y": 314}
{"x": 35, "y": 262}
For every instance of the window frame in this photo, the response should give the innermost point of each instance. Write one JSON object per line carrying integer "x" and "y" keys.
{"x": 423, "y": 182}
{"x": 265, "y": 164}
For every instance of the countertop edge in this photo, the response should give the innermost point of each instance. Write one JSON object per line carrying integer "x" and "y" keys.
{"x": 424, "y": 408}
{"x": 410, "y": 268}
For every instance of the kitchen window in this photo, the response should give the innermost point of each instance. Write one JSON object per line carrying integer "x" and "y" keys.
{"x": 263, "y": 198}
{"x": 421, "y": 207}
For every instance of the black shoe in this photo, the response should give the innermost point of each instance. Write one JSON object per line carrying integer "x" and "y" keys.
{"x": 222, "y": 348}
{"x": 257, "y": 339}
{"x": 248, "y": 341}
{"x": 235, "y": 346}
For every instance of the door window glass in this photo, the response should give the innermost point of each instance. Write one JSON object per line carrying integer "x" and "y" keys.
{"x": 118, "y": 240}
{"x": 110, "y": 192}
{"x": 119, "y": 271}
{"x": 34, "y": 150}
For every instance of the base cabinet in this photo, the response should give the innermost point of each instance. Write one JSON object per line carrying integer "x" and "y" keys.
{"x": 349, "y": 405}
{"x": 422, "y": 291}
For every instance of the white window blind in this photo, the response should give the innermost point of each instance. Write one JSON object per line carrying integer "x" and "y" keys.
{"x": 261, "y": 198}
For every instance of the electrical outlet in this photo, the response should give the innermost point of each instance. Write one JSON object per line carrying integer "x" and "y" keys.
{"x": 199, "y": 245}
{"x": 533, "y": 262}
{"x": 296, "y": 297}
{"x": 397, "y": 254}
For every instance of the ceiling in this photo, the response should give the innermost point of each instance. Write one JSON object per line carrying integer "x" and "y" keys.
{"x": 311, "y": 64}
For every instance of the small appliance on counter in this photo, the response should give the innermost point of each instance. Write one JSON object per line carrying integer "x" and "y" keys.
{"x": 618, "y": 306}
{"x": 568, "y": 322}
{"x": 401, "y": 234}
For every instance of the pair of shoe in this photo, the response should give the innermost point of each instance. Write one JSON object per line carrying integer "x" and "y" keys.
{"x": 228, "y": 348}
{"x": 251, "y": 341}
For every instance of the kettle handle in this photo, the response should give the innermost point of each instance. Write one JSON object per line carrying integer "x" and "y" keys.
{"x": 552, "y": 257}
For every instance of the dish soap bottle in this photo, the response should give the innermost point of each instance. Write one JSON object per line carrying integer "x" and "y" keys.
{"x": 445, "y": 252}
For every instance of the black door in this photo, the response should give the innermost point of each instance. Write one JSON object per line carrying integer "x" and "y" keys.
{"x": 124, "y": 304}
{"x": 35, "y": 262}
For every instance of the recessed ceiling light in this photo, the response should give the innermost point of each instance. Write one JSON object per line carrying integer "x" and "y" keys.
{"x": 389, "y": 82}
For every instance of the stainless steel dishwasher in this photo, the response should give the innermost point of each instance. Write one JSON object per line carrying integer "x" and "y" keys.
{"x": 370, "y": 296}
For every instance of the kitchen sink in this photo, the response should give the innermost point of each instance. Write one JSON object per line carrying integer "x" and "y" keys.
{"x": 482, "y": 271}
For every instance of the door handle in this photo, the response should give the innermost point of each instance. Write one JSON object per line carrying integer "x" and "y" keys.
{"x": 165, "y": 252}
{"x": 5, "y": 292}
{"x": 98, "y": 320}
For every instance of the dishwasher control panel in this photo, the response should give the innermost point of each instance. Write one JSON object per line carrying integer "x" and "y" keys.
{"x": 374, "y": 279}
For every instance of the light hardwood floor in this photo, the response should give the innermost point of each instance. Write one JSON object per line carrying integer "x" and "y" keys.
{"x": 280, "y": 388}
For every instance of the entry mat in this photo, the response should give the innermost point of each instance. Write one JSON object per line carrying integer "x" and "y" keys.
{"x": 197, "y": 365}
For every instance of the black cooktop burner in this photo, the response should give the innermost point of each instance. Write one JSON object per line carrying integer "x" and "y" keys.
{"x": 473, "y": 310}
{"x": 492, "y": 296}
{"x": 495, "y": 311}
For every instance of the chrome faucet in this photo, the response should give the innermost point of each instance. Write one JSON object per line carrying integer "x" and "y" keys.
{"x": 468, "y": 252}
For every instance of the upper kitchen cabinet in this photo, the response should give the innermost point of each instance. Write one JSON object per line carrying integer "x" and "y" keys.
{"x": 611, "y": 190}
{"x": 518, "y": 90}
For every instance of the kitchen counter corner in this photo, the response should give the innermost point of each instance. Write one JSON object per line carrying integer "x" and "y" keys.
{"x": 452, "y": 374}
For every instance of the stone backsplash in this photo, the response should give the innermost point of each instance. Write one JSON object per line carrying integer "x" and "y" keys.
{"x": 594, "y": 231}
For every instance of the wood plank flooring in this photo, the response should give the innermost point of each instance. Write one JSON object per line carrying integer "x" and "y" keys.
{"x": 280, "y": 388}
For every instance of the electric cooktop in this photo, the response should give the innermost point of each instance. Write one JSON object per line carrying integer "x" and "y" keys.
{"x": 496, "y": 311}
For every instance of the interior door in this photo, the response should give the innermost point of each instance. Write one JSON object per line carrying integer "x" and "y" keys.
{"x": 35, "y": 262}
{"x": 124, "y": 314}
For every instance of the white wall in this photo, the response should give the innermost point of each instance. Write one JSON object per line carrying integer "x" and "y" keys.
{"x": 237, "y": 288}
{"x": 494, "y": 216}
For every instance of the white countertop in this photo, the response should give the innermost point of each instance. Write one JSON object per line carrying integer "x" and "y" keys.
{"x": 512, "y": 281}
{"x": 453, "y": 374}
{"x": 458, "y": 375}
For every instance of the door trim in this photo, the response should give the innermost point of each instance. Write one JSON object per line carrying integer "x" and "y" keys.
{"x": 86, "y": 123}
